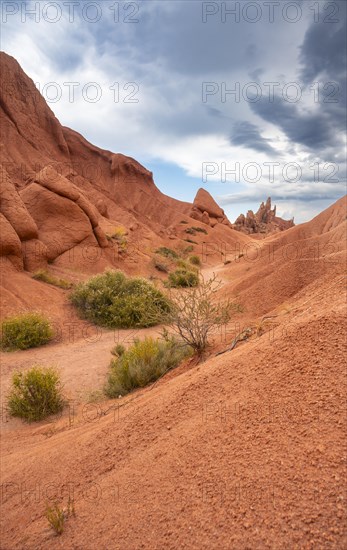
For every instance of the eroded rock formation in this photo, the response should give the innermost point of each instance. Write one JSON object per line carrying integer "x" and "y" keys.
{"x": 263, "y": 221}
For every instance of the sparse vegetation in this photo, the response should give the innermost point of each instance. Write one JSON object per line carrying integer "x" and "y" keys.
{"x": 144, "y": 362}
{"x": 24, "y": 331}
{"x": 195, "y": 314}
{"x": 194, "y": 230}
{"x": 200, "y": 230}
{"x": 183, "y": 278}
{"x": 191, "y": 241}
{"x": 114, "y": 301}
{"x": 35, "y": 394}
{"x": 45, "y": 277}
{"x": 167, "y": 252}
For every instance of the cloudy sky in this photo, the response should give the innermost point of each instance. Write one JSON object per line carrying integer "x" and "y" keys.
{"x": 247, "y": 99}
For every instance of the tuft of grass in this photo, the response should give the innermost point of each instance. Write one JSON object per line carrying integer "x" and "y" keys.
{"x": 144, "y": 362}
{"x": 119, "y": 235}
{"x": 167, "y": 252}
{"x": 190, "y": 241}
{"x": 24, "y": 331}
{"x": 57, "y": 516}
{"x": 35, "y": 394}
{"x": 195, "y": 260}
{"x": 45, "y": 277}
{"x": 114, "y": 301}
{"x": 183, "y": 278}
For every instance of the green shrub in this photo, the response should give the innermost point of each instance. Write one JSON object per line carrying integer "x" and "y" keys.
{"x": 45, "y": 277}
{"x": 35, "y": 394}
{"x": 144, "y": 362}
{"x": 183, "y": 278}
{"x": 114, "y": 301}
{"x": 195, "y": 260}
{"x": 167, "y": 252}
{"x": 24, "y": 331}
{"x": 190, "y": 231}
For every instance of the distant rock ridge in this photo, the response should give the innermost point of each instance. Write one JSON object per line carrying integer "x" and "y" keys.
{"x": 263, "y": 221}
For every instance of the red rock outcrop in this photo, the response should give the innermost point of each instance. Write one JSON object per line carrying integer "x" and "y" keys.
{"x": 206, "y": 210}
{"x": 263, "y": 221}
{"x": 60, "y": 193}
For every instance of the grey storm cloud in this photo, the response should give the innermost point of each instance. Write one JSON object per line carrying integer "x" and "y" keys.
{"x": 313, "y": 130}
{"x": 323, "y": 59}
{"x": 324, "y": 46}
{"x": 247, "y": 134}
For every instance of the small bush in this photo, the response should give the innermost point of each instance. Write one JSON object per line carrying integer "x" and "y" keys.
{"x": 195, "y": 260}
{"x": 45, "y": 277}
{"x": 190, "y": 241}
{"x": 167, "y": 252}
{"x": 183, "y": 278}
{"x": 114, "y": 301}
{"x": 35, "y": 394}
{"x": 28, "y": 330}
{"x": 196, "y": 315}
{"x": 144, "y": 362}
